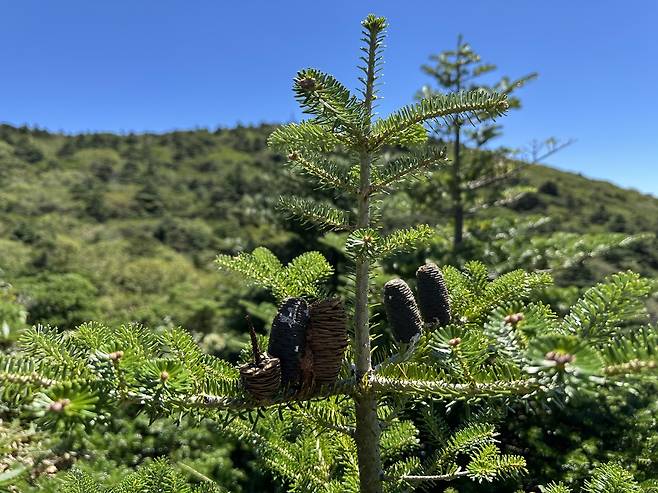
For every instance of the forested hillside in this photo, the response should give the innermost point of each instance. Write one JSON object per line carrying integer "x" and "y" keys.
{"x": 125, "y": 227}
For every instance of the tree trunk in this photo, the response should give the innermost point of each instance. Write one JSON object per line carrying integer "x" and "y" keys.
{"x": 456, "y": 189}
{"x": 367, "y": 443}
{"x": 367, "y": 424}
{"x": 367, "y": 433}
{"x": 457, "y": 204}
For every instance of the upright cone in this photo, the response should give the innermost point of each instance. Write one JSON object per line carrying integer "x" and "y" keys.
{"x": 288, "y": 339}
{"x": 327, "y": 339}
{"x": 402, "y": 311}
{"x": 433, "y": 295}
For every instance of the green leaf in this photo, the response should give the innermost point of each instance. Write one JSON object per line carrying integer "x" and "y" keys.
{"x": 405, "y": 240}
{"x": 488, "y": 464}
{"x": 301, "y": 277}
{"x": 555, "y": 488}
{"x": 611, "y": 478}
{"x": 609, "y": 305}
{"x": 304, "y": 272}
{"x": 564, "y": 359}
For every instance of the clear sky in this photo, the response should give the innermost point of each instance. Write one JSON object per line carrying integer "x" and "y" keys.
{"x": 146, "y": 65}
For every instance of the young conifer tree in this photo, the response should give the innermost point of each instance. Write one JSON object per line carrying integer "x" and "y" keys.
{"x": 342, "y": 120}
{"x": 472, "y": 338}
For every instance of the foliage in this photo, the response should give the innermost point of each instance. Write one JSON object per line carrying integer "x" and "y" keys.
{"x": 157, "y": 477}
{"x": 13, "y": 315}
{"x": 61, "y": 300}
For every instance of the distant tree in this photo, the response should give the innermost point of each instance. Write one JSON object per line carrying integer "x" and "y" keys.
{"x": 129, "y": 172}
{"x": 149, "y": 200}
{"x": 68, "y": 148}
{"x": 618, "y": 223}
{"x": 96, "y": 206}
{"x": 184, "y": 235}
{"x": 60, "y": 300}
{"x": 549, "y": 187}
{"x": 26, "y": 150}
{"x": 103, "y": 169}
{"x": 600, "y": 215}
{"x": 460, "y": 70}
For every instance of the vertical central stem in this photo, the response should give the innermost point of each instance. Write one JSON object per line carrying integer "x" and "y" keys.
{"x": 367, "y": 425}
{"x": 458, "y": 212}
{"x": 457, "y": 192}
{"x": 362, "y": 331}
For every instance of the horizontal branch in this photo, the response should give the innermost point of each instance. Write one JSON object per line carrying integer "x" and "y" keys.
{"x": 454, "y": 390}
{"x": 490, "y": 180}
{"x": 407, "y": 166}
{"x": 327, "y": 172}
{"x": 438, "y": 106}
{"x": 440, "y": 477}
{"x": 308, "y": 135}
{"x": 633, "y": 366}
{"x": 245, "y": 403}
{"x": 315, "y": 213}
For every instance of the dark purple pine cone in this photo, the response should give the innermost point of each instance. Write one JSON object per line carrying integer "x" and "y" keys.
{"x": 433, "y": 297}
{"x": 401, "y": 310}
{"x": 288, "y": 338}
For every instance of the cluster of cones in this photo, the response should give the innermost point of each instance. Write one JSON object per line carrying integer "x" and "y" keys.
{"x": 305, "y": 352}
{"x": 405, "y": 316}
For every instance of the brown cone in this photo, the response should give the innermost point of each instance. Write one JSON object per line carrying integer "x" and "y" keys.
{"x": 262, "y": 380}
{"x": 327, "y": 340}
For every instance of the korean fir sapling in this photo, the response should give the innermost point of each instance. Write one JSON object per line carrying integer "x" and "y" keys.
{"x": 318, "y": 412}
{"x": 340, "y": 119}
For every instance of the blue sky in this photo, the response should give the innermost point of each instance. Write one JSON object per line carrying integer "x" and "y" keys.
{"x": 156, "y": 66}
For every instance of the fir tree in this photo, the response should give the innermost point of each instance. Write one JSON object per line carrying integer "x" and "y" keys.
{"x": 477, "y": 180}
{"x": 359, "y": 427}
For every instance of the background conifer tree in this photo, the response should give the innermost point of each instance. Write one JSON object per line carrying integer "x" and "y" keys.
{"x": 477, "y": 180}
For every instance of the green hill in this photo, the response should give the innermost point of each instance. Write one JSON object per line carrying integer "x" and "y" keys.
{"x": 125, "y": 227}
{"x": 581, "y": 204}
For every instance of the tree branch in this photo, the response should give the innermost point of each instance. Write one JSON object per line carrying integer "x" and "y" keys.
{"x": 454, "y": 390}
